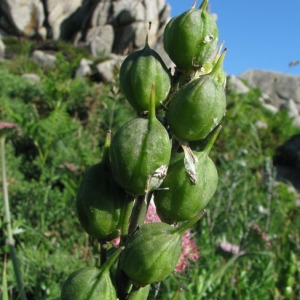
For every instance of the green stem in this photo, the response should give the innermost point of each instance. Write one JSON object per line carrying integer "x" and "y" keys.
{"x": 137, "y": 218}
{"x": 139, "y": 212}
{"x": 212, "y": 140}
{"x": 188, "y": 224}
{"x": 103, "y": 254}
{"x": 105, "y": 157}
{"x": 125, "y": 221}
{"x": 112, "y": 259}
{"x": 8, "y": 220}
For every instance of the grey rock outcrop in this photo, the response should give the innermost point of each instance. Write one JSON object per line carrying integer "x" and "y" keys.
{"x": 104, "y": 26}
{"x": 280, "y": 87}
{"x": 236, "y": 84}
{"x": 21, "y": 17}
{"x": 2, "y": 48}
{"x": 280, "y": 90}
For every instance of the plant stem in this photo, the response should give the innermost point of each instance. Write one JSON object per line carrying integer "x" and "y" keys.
{"x": 10, "y": 240}
{"x": 137, "y": 218}
{"x": 125, "y": 221}
{"x": 139, "y": 212}
{"x": 5, "y": 194}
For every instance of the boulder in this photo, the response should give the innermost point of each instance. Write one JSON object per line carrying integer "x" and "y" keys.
{"x": 32, "y": 77}
{"x": 84, "y": 68}
{"x": 287, "y": 162}
{"x": 293, "y": 111}
{"x": 236, "y": 84}
{"x": 113, "y": 26}
{"x": 21, "y": 17}
{"x": 60, "y": 11}
{"x": 42, "y": 58}
{"x": 106, "y": 69}
{"x": 289, "y": 152}
{"x": 100, "y": 40}
{"x": 279, "y": 91}
{"x": 280, "y": 87}
{"x": 2, "y": 48}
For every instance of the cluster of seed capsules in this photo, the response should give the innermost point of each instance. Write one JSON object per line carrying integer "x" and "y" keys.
{"x": 150, "y": 155}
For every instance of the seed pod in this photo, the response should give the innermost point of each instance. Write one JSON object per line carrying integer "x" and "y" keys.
{"x": 152, "y": 253}
{"x": 191, "y": 38}
{"x": 91, "y": 283}
{"x": 140, "y": 153}
{"x": 198, "y": 107}
{"x": 190, "y": 187}
{"x": 138, "y": 72}
{"x": 100, "y": 200}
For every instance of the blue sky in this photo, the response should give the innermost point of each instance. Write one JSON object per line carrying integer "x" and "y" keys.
{"x": 259, "y": 34}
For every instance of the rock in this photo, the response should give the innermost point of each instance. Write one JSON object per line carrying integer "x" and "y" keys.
{"x": 2, "y": 48}
{"x": 293, "y": 111}
{"x": 289, "y": 175}
{"x": 280, "y": 87}
{"x": 103, "y": 26}
{"x": 271, "y": 108}
{"x": 59, "y": 12}
{"x": 236, "y": 84}
{"x": 31, "y": 77}
{"x": 84, "y": 68}
{"x": 101, "y": 14}
{"x": 106, "y": 68}
{"x": 279, "y": 91}
{"x": 43, "y": 58}
{"x": 21, "y": 17}
{"x": 261, "y": 124}
{"x": 100, "y": 40}
{"x": 289, "y": 152}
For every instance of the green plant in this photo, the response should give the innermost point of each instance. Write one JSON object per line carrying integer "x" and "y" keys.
{"x": 247, "y": 242}
{"x": 140, "y": 154}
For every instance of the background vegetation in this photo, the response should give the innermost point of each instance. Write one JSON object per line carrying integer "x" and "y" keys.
{"x": 63, "y": 123}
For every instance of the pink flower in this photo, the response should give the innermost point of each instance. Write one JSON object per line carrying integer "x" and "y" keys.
{"x": 116, "y": 241}
{"x": 71, "y": 167}
{"x": 189, "y": 252}
{"x": 229, "y": 248}
{"x": 6, "y": 127}
{"x": 263, "y": 235}
{"x": 151, "y": 215}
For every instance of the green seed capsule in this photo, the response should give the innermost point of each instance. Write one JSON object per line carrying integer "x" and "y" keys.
{"x": 138, "y": 72}
{"x": 91, "y": 283}
{"x": 188, "y": 186}
{"x": 140, "y": 153}
{"x": 152, "y": 253}
{"x": 191, "y": 38}
{"x": 198, "y": 107}
{"x": 100, "y": 200}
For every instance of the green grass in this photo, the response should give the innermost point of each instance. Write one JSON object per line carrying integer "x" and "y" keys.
{"x": 64, "y": 122}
